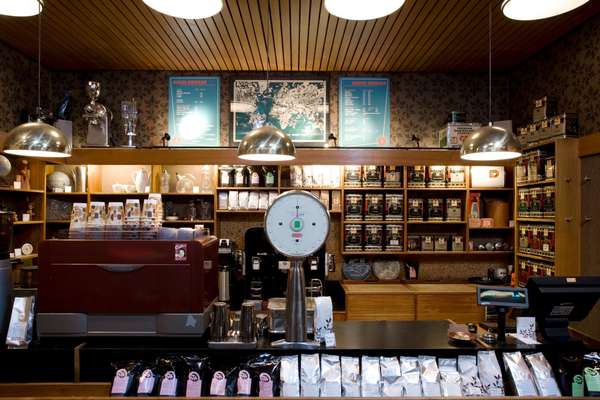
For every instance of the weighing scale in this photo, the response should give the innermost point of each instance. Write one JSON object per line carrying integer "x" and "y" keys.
{"x": 297, "y": 225}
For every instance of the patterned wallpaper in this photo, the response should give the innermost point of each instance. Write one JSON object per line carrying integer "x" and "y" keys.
{"x": 420, "y": 102}
{"x": 569, "y": 70}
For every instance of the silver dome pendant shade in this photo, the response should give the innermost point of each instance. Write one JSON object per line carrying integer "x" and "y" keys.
{"x": 37, "y": 139}
{"x": 268, "y": 144}
{"x": 490, "y": 143}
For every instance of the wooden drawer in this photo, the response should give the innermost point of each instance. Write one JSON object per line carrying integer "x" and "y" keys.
{"x": 380, "y": 307}
{"x": 460, "y": 307}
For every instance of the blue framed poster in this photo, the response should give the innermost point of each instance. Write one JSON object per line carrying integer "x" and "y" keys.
{"x": 194, "y": 112}
{"x": 364, "y": 112}
{"x": 297, "y": 107}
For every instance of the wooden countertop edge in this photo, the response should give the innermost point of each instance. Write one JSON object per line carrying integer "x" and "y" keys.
{"x": 415, "y": 288}
{"x": 589, "y": 145}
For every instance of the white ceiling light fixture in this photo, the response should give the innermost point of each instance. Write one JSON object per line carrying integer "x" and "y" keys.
{"x": 490, "y": 143}
{"x": 21, "y": 8}
{"x": 186, "y": 9}
{"x": 37, "y": 139}
{"x": 360, "y": 10}
{"x": 529, "y": 10}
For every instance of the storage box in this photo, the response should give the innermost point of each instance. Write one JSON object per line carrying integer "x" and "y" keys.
{"x": 454, "y": 134}
{"x": 416, "y": 176}
{"x": 374, "y": 237}
{"x": 487, "y": 176}
{"x": 441, "y": 243}
{"x": 427, "y": 243}
{"x": 393, "y": 237}
{"x": 374, "y": 206}
{"x": 394, "y": 207}
{"x": 544, "y": 108}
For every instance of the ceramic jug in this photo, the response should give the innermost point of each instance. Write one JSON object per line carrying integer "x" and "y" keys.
{"x": 141, "y": 180}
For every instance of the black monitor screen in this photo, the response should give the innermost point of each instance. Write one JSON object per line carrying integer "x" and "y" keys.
{"x": 502, "y": 296}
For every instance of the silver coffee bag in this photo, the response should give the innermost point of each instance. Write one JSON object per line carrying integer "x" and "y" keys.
{"x": 490, "y": 373}
{"x": 370, "y": 377}
{"x": 411, "y": 377}
{"x": 430, "y": 376}
{"x": 469, "y": 376}
{"x": 310, "y": 374}
{"x": 519, "y": 374}
{"x": 289, "y": 376}
{"x": 449, "y": 377}
{"x": 350, "y": 376}
{"x": 331, "y": 376}
{"x": 391, "y": 377}
{"x": 544, "y": 379}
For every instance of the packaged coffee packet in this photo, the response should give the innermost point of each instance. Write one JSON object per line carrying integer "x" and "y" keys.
{"x": 264, "y": 370}
{"x": 310, "y": 374}
{"x": 170, "y": 371}
{"x": 449, "y": 378}
{"x": 196, "y": 370}
{"x": 469, "y": 376}
{"x": 591, "y": 373}
{"x": 289, "y": 376}
{"x": 411, "y": 377}
{"x": 350, "y": 376}
{"x": 148, "y": 381}
{"x": 220, "y": 375}
{"x": 243, "y": 382}
{"x": 370, "y": 377}
{"x": 519, "y": 374}
{"x": 125, "y": 377}
{"x": 490, "y": 373}
{"x": 391, "y": 377}
{"x": 570, "y": 374}
{"x": 544, "y": 379}
{"x": 430, "y": 376}
{"x": 331, "y": 376}
{"x": 20, "y": 327}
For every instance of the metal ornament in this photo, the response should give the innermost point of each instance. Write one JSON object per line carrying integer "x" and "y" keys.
{"x": 5, "y": 166}
{"x": 266, "y": 143}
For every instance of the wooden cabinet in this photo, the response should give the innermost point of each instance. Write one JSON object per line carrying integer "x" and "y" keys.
{"x": 412, "y": 302}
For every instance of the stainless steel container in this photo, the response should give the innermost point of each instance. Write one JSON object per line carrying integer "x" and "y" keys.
{"x": 223, "y": 279}
{"x": 248, "y": 322}
{"x": 220, "y": 322}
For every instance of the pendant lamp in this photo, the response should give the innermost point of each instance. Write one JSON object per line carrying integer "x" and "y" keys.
{"x": 21, "y": 8}
{"x": 186, "y": 9}
{"x": 266, "y": 143}
{"x": 362, "y": 9}
{"x": 529, "y": 10}
{"x": 37, "y": 139}
{"x": 490, "y": 143}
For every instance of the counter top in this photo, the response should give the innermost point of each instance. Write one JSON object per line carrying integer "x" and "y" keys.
{"x": 408, "y": 288}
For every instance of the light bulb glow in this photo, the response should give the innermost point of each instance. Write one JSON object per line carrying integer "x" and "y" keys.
{"x": 491, "y": 156}
{"x": 20, "y": 8}
{"x": 37, "y": 153}
{"x": 362, "y": 9}
{"x": 266, "y": 157}
{"x": 529, "y": 10}
{"x": 186, "y": 9}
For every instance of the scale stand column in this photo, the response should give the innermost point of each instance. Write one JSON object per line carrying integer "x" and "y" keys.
{"x": 295, "y": 312}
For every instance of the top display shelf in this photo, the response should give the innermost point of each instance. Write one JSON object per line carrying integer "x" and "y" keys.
{"x": 304, "y": 156}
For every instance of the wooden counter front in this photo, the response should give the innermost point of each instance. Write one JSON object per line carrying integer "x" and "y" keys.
{"x": 412, "y": 302}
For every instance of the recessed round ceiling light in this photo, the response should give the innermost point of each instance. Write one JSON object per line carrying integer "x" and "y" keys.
{"x": 362, "y": 9}
{"x": 528, "y": 10}
{"x": 186, "y": 9}
{"x": 21, "y": 8}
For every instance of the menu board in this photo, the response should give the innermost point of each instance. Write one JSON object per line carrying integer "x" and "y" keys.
{"x": 364, "y": 112}
{"x": 297, "y": 107}
{"x": 194, "y": 113}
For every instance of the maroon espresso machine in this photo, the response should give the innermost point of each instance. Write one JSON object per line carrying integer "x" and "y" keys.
{"x": 126, "y": 287}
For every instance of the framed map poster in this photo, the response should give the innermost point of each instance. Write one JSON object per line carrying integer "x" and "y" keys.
{"x": 297, "y": 107}
{"x": 364, "y": 112}
{"x": 194, "y": 112}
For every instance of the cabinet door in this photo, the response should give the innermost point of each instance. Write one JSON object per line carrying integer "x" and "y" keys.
{"x": 590, "y": 232}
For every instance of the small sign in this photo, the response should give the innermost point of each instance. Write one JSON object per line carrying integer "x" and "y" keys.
{"x": 18, "y": 252}
{"x": 147, "y": 189}
{"x": 68, "y": 189}
{"x": 25, "y": 217}
{"x": 180, "y": 251}
{"x": 195, "y": 189}
{"x": 17, "y": 184}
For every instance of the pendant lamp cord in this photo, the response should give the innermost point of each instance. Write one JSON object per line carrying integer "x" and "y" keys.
{"x": 39, "y": 62}
{"x": 490, "y": 62}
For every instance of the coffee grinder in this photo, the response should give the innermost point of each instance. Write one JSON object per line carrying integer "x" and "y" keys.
{"x": 297, "y": 225}
{"x": 6, "y": 228}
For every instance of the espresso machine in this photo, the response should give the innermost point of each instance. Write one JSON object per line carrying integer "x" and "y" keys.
{"x": 6, "y": 228}
{"x": 266, "y": 270}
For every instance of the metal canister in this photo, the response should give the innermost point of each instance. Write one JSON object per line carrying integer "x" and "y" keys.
{"x": 247, "y": 322}
{"x": 220, "y": 322}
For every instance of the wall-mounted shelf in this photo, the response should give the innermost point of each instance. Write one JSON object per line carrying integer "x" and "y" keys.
{"x": 11, "y": 189}
{"x": 534, "y": 219}
{"x": 437, "y": 222}
{"x": 184, "y": 222}
{"x": 535, "y": 257}
{"x": 37, "y": 222}
{"x": 538, "y": 183}
{"x": 23, "y": 257}
{"x": 66, "y": 194}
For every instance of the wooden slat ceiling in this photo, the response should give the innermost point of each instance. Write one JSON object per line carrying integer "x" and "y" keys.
{"x": 286, "y": 35}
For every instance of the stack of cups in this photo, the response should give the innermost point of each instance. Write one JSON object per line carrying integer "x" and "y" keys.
{"x": 96, "y": 221}
{"x": 114, "y": 220}
{"x": 78, "y": 221}
{"x": 131, "y": 221}
{"x": 149, "y": 222}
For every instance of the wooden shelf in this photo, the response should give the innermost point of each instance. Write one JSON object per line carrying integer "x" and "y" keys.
{"x": 310, "y": 188}
{"x": 380, "y": 222}
{"x": 183, "y": 221}
{"x": 118, "y": 194}
{"x": 35, "y": 222}
{"x": 535, "y": 257}
{"x": 11, "y": 189}
{"x": 241, "y": 211}
{"x": 372, "y": 189}
{"x": 539, "y": 183}
{"x": 437, "y": 222}
{"x": 250, "y": 188}
{"x": 186, "y": 194}
{"x": 57, "y": 222}
{"x": 470, "y": 253}
{"x": 372, "y": 253}
{"x": 437, "y": 189}
{"x": 534, "y": 219}
{"x": 23, "y": 258}
{"x": 493, "y": 228}
{"x": 491, "y": 189}
{"x": 66, "y": 193}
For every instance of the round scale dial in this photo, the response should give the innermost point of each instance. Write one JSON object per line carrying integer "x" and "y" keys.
{"x": 297, "y": 224}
